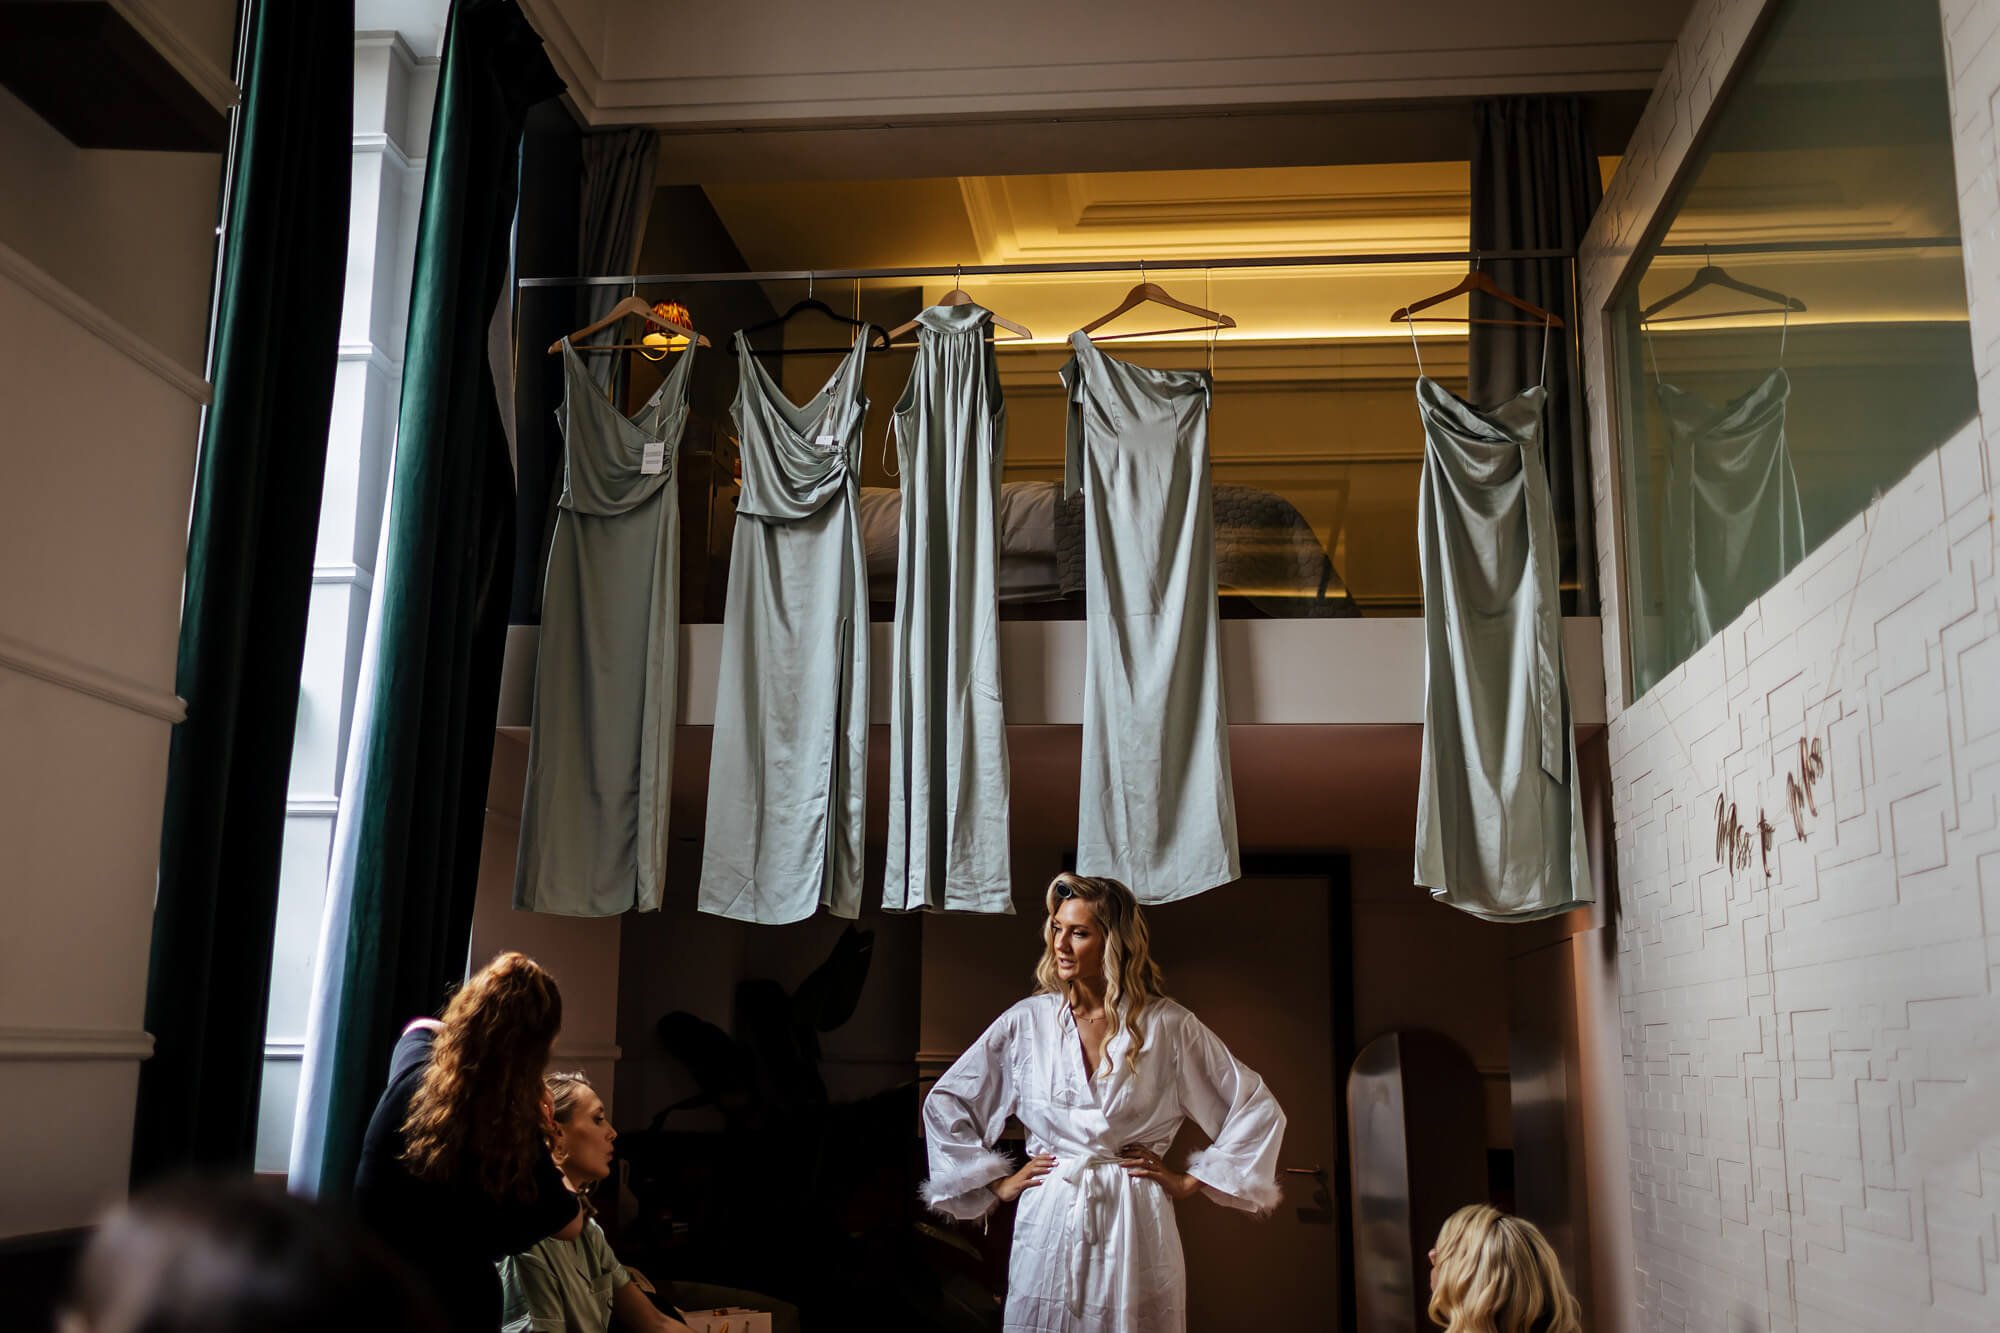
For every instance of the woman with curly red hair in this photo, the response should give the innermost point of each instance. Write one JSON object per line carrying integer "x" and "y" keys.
{"x": 455, "y": 1170}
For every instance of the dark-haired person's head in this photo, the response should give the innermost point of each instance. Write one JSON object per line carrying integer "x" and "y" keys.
{"x": 480, "y": 1102}
{"x": 232, "y": 1256}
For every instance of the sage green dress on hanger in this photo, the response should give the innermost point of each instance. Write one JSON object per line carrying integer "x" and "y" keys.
{"x": 787, "y": 776}
{"x": 601, "y": 753}
{"x": 1157, "y": 808}
{"x": 1499, "y": 814}
{"x": 947, "y": 738}
{"x": 1734, "y": 525}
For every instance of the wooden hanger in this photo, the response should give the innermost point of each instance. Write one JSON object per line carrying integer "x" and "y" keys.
{"x": 1476, "y": 281}
{"x": 959, "y": 296}
{"x": 631, "y": 305}
{"x": 814, "y": 305}
{"x": 1152, "y": 291}
{"x": 1709, "y": 275}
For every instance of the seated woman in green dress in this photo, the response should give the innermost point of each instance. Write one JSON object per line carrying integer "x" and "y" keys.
{"x": 577, "y": 1286}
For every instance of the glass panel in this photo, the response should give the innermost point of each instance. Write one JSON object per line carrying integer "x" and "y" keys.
{"x": 1752, "y": 424}
{"x": 1314, "y": 435}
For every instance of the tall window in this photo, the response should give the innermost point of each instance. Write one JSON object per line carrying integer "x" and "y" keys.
{"x": 395, "y": 85}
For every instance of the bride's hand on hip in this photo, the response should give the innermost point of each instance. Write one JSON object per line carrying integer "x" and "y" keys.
{"x": 1029, "y": 1176}
{"x": 1145, "y": 1164}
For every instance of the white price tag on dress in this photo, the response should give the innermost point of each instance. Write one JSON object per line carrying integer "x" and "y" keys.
{"x": 827, "y": 443}
{"x": 654, "y": 459}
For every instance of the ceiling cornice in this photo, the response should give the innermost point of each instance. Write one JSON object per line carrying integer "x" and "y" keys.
{"x": 206, "y": 70}
{"x": 597, "y": 47}
{"x": 569, "y": 30}
{"x": 1071, "y": 217}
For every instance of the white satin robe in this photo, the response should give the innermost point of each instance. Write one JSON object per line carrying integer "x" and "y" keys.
{"x": 1095, "y": 1249}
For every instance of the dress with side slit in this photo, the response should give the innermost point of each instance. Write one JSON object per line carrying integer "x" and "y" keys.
{"x": 601, "y": 753}
{"x": 1499, "y": 808}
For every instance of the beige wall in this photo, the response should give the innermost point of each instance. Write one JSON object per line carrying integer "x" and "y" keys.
{"x": 105, "y": 269}
{"x": 131, "y": 233}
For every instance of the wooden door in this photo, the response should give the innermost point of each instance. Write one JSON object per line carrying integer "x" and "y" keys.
{"x": 1261, "y": 962}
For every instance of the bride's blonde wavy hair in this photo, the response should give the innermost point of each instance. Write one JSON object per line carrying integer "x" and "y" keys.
{"x": 1498, "y": 1274}
{"x": 1132, "y": 980}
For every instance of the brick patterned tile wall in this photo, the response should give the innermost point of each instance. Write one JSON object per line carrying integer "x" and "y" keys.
{"x": 1812, "y": 1058}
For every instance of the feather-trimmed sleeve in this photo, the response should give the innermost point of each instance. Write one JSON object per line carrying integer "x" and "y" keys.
{"x": 1239, "y": 1168}
{"x": 963, "y": 1117}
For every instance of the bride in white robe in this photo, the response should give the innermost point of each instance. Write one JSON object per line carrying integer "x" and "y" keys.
{"x": 1101, "y": 1068}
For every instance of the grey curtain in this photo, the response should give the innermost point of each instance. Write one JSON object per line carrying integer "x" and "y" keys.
{"x": 1535, "y": 185}
{"x": 617, "y": 188}
{"x": 615, "y": 194}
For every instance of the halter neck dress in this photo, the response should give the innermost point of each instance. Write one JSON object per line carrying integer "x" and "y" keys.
{"x": 948, "y": 798}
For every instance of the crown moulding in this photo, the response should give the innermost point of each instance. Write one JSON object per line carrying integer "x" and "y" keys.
{"x": 112, "y": 76}
{"x": 678, "y": 68}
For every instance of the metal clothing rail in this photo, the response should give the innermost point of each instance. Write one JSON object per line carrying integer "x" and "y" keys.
{"x": 1858, "y": 243}
{"x": 1085, "y": 266}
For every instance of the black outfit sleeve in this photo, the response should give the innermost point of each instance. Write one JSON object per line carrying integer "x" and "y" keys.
{"x": 522, "y": 1224}
{"x": 451, "y": 1232}
{"x": 380, "y": 1182}
{"x": 412, "y": 1053}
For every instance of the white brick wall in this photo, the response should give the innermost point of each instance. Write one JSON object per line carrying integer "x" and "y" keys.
{"x": 1812, "y": 1061}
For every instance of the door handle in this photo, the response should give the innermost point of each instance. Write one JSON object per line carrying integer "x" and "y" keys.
{"x": 1320, "y": 1211}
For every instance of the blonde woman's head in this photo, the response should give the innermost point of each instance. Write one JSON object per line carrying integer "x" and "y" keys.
{"x": 1095, "y": 935}
{"x": 583, "y": 1136}
{"x": 1494, "y": 1273}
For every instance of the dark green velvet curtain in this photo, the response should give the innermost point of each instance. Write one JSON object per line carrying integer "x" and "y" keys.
{"x": 249, "y": 583}
{"x": 407, "y": 852}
